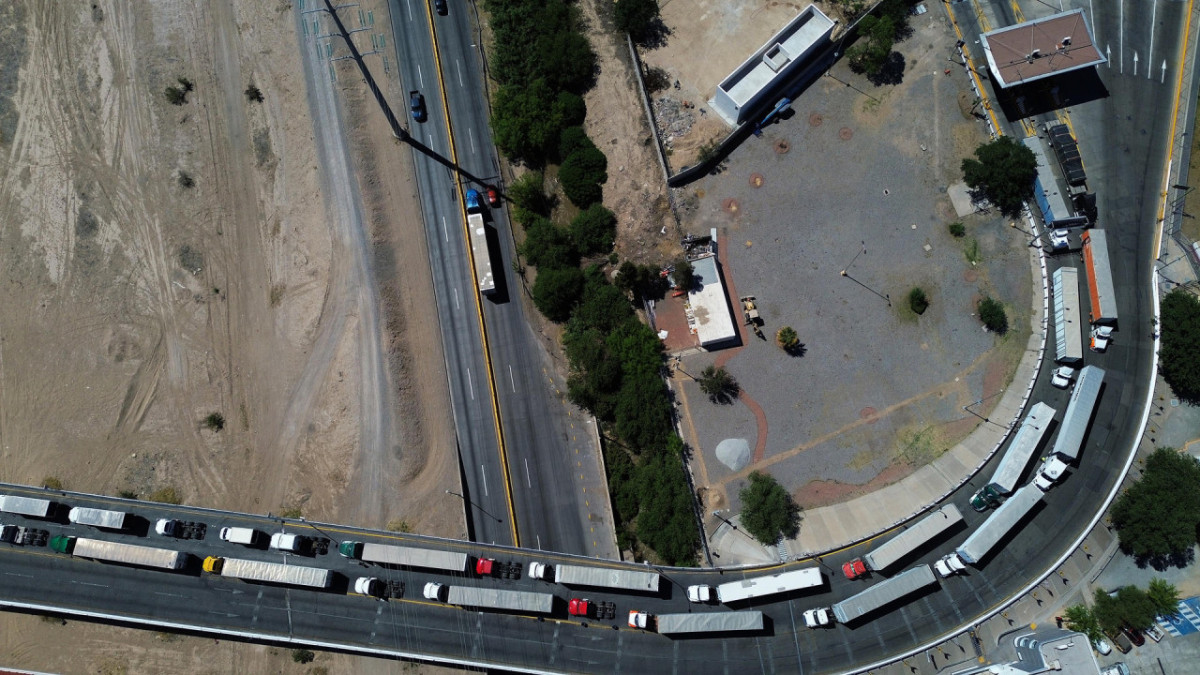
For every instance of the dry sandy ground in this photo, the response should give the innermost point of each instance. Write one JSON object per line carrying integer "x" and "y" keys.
{"x": 132, "y": 307}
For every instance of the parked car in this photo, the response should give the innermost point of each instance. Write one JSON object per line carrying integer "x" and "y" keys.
{"x": 1154, "y": 633}
{"x": 1102, "y": 646}
{"x": 493, "y": 196}
{"x": 1062, "y": 377}
{"x": 1134, "y": 634}
{"x": 1121, "y": 642}
{"x": 440, "y": 7}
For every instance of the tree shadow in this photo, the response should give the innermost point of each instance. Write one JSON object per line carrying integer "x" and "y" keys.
{"x": 1161, "y": 563}
{"x": 892, "y": 71}
{"x": 797, "y": 350}
{"x": 725, "y": 396}
{"x": 654, "y": 36}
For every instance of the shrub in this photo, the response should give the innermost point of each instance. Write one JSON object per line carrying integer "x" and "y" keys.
{"x": 787, "y": 338}
{"x": 176, "y": 95}
{"x": 958, "y": 230}
{"x": 214, "y": 421}
{"x": 127, "y": 494}
{"x": 556, "y": 291}
{"x": 684, "y": 274}
{"x": 166, "y": 495}
{"x": 548, "y": 246}
{"x": 594, "y": 230}
{"x": 187, "y": 84}
{"x": 917, "y": 301}
{"x": 1180, "y": 356}
{"x": 186, "y": 180}
{"x": 303, "y": 656}
{"x": 573, "y": 139}
{"x": 528, "y": 196}
{"x": 253, "y": 94}
{"x": 991, "y": 312}
{"x": 52, "y": 483}
{"x": 581, "y": 174}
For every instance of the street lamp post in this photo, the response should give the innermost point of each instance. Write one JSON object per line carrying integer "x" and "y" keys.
{"x": 472, "y": 503}
{"x": 886, "y": 297}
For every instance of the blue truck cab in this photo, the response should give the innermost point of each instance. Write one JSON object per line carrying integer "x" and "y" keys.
{"x": 473, "y": 203}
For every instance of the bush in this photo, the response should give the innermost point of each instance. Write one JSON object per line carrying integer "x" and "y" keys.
{"x": 684, "y": 275}
{"x": 656, "y": 79}
{"x": 958, "y": 230}
{"x": 581, "y": 174}
{"x": 526, "y": 121}
{"x": 52, "y": 483}
{"x": 166, "y": 495}
{"x": 787, "y": 339}
{"x": 528, "y": 196}
{"x": 556, "y": 291}
{"x": 176, "y": 95}
{"x": 187, "y": 84}
{"x": 214, "y": 421}
{"x": 992, "y": 313}
{"x": 303, "y": 656}
{"x": 1180, "y": 356}
{"x": 253, "y": 94}
{"x": 918, "y": 302}
{"x": 594, "y": 230}
{"x": 768, "y": 511}
{"x": 643, "y": 281}
{"x": 185, "y": 180}
{"x": 573, "y": 139}
{"x": 548, "y": 246}
{"x": 127, "y": 494}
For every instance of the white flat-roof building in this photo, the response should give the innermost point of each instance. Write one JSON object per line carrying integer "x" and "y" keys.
{"x": 710, "y": 316}
{"x": 784, "y": 55}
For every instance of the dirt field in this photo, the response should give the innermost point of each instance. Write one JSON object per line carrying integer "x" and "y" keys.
{"x": 162, "y": 263}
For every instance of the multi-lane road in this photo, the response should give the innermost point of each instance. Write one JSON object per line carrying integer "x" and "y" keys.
{"x": 1123, "y": 140}
{"x": 548, "y": 480}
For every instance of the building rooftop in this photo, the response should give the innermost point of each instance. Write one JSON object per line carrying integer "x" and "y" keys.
{"x": 796, "y": 38}
{"x": 711, "y": 316}
{"x": 1038, "y": 49}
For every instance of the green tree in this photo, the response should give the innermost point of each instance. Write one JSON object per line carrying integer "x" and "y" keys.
{"x": 643, "y": 411}
{"x": 548, "y": 246}
{"x": 556, "y": 291}
{"x": 570, "y": 108}
{"x": 918, "y": 302}
{"x": 528, "y": 195}
{"x": 572, "y": 139}
{"x": 684, "y": 274}
{"x": 992, "y": 314}
{"x": 581, "y": 174}
{"x": 254, "y": 94}
{"x": 636, "y": 17}
{"x": 666, "y": 521}
{"x": 1156, "y": 517}
{"x": 768, "y": 511}
{"x": 1129, "y": 607}
{"x": 718, "y": 384}
{"x": 1164, "y": 596}
{"x": 642, "y": 281}
{"x": 1080, "y": 618}
{"x": 1003, "y": 170}
{"x": 1180, "y": 356}
{"x": 604, "y": 306}
{"x": 877, "y": 36}
{"x": 526, "y": 122}
{"x": 594, "y": 230}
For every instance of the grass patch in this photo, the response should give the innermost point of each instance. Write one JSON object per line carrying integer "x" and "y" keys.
{"x": 958, "y": 230}
{"x": 277, "y": 294}
{"x": 166, "y": 495}
{"x": 399, "y": 525}
{"x": 127, "y": 494}
{"x": 971, "y": 251}
{"x": 292, "y": 512}
{"x": 918, "y": 448}
{"x": 52, "y": 483}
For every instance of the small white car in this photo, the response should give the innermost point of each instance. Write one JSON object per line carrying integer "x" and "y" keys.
{"x": 700, "y": 593}
{"x": 433, "y": 591}
{"x": 1103, "y": 647}
{"x": 949, "y": 565}
{"x": 817, "y": 617}
{"x": 1062, "y": 377}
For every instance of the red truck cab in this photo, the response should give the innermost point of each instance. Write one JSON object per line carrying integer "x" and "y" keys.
{"x": 854, "y": 569}
{"x": 484, "y": 567}
{"x": 579, "y": 607}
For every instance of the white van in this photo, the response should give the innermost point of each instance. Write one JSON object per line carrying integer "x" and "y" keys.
{"x": 292, "y": 543}
{"x": 247, "y": 536}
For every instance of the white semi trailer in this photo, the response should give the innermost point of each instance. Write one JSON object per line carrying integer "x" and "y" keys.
{"x": 767, "y": 585}
{"x": 883, "y": 594}
{"x": 269, "y": 572}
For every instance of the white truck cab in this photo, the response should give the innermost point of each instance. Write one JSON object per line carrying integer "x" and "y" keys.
{"x": 541, "y": 571}
{"x": 1101, "y": 338}
{"x": 292, "y": 543}
{"x": 818, "y": 617}
{"x": 700, "y": 593}
{"x": 434, "y": 591}
{"x": 949, "y": 565}
{"x": 1062, "y": 377}
{"x": 247, "y": 536}
{"x": 367, "y": 586}
{"x": 1050, "y": 474}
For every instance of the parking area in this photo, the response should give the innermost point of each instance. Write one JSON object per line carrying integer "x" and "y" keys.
{"x": 857, "y": 180}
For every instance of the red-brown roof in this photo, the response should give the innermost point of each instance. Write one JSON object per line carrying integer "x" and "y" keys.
{"x": 1042, "y": 48}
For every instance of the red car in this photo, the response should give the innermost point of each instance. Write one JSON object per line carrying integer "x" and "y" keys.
{"x": 493, "y": 196}
{"x": 1134, "y": 635}
{"x": 854, "y": 569}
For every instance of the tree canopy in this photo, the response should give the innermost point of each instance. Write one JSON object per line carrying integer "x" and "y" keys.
{"x": 1131, "y": 606}
{"x": 1003, "y": 170}
{"x": 594, "y": 230}
{"x": 768, "y": 511}
{"x": 548, "y": 246}
{"x": 1081, "y": 618}
{"x": 556, "y": 291}
{"x": 1156, "y": 518}
{"x": 582, "y": 173}
{"x": 636, "y": 17}
{"x": 1180, "y": 356}
{"x": 718, "y": 384}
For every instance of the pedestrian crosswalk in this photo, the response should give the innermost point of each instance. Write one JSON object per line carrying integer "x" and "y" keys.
{"x": 1186, "y": 621}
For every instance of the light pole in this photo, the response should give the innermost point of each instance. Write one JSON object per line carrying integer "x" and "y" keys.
{"x": 967, "y": 408}
{"x": 846, "y": 273}
{"x": 1035, "y": 236}
{"x": 472, "y": 503}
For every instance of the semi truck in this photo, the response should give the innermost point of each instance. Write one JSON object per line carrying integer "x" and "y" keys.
{"x": 480, "y": 254}
{"x": 491, "y": 598}
{"x": 115, "y": 552}
{"x": 698, "y": 622}
{"x": 269, "y": 572}
{"x": 884, "y": 593}
{"x": 27, "y": 506}
{"x": 906, "y": 543}
{"x": 1016, "y": 459}
{"x": 764, "y": 586}
{"x": 1075, "y": 424}
{"x": 406, "y": 556}
{"x": 625, "y": 579}
{"x": 1099, "y": 274}
{"x": 1068, "y": 330}
{"x": 998, "y": 525}
{"x": 109, "y": 520}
